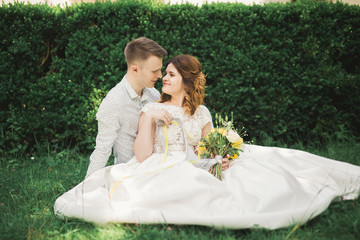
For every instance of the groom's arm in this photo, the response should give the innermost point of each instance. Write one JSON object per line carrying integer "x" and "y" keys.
{"x": 108, "y": 129}
{"x": 104, "y": 143}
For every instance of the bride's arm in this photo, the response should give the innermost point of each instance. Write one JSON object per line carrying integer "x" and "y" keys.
{"x": 143, "y": 145}
{"x": 206, "y": 129}
{"x": 144, "y": 142}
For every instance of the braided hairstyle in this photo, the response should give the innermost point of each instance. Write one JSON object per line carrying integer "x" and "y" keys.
{"x": 193, "y": 79}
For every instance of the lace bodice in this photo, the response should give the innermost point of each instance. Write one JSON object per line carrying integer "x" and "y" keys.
{"x": 193, "y": 126}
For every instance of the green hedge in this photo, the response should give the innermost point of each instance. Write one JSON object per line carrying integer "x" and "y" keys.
{"x": 287, "y": 70}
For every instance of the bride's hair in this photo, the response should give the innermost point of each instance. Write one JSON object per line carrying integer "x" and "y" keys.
{"x": 194, "y": 80}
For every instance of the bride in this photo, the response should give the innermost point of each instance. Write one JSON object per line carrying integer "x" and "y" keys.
{"x": 265, "y": 187}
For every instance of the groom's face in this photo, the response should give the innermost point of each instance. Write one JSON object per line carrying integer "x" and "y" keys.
{"x": 150, "y": 71}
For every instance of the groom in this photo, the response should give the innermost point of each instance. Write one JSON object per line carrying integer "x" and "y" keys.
{"x": 119, "y": 112}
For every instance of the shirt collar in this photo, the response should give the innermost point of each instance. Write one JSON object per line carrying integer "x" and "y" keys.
{"x": 130, "y": 89}
{"x": 133, "y": 95}
{"x": 145, "y": 94}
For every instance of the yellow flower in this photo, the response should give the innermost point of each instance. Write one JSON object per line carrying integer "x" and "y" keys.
{"x": 213, "y": 130}
{"x": 235, "y": 156}
{"x": 222, "y": 131}
{"x": 233, "y": 136}
{"x": 238, "y": 144}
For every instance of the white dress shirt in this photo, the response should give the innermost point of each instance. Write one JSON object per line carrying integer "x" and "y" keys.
{"x": 118, "y": 118}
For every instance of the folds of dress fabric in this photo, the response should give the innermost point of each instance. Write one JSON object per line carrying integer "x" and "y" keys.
{"x": 266, "y": 187}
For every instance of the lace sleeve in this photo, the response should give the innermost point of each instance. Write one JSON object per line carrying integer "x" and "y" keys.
{"x": 205, "y": 116}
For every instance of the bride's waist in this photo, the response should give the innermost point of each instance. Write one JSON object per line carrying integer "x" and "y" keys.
{"x": 171, "y": 153}
{"x": 171, "y": 148}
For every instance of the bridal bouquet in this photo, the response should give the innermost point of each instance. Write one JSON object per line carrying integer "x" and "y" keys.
{"x": 221, "y": 142}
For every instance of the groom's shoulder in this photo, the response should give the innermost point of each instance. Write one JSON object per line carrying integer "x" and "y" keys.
{"x": 118, "y": 88}
{"x": 153, "y": 93}
{"x": 118, "y": 91}
{"x": 115, "y": 95}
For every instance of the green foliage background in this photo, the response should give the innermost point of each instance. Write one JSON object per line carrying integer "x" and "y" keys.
{"x": 289, "y": 71}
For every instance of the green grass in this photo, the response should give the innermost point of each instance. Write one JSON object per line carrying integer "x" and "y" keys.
{"x": 29, "y": 188}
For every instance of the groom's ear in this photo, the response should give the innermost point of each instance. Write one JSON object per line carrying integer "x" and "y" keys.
{"x": 134, "y": 68}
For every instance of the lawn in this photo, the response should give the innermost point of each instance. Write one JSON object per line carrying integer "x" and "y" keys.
{"x": 29, "y": 186}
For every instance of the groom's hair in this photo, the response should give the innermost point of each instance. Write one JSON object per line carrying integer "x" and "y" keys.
{"x": 141, "y": 49}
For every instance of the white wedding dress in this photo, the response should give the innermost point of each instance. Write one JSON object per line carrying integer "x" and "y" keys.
{"x": 265, "y": 187}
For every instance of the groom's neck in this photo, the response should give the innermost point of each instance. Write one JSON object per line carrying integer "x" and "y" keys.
{"x": 134, "y": 84}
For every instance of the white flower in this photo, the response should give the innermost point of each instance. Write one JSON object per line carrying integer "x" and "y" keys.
{"x": 233, "y": 136}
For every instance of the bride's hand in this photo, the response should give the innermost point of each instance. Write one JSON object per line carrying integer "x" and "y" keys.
{"x": 225, "y": 163}
{"x": 159, "y": 114}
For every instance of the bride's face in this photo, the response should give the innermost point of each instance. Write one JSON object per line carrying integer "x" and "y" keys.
{"x": 172, "y": 81}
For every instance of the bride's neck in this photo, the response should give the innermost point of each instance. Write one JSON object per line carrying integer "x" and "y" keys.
{"x": 176, "y": 101}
